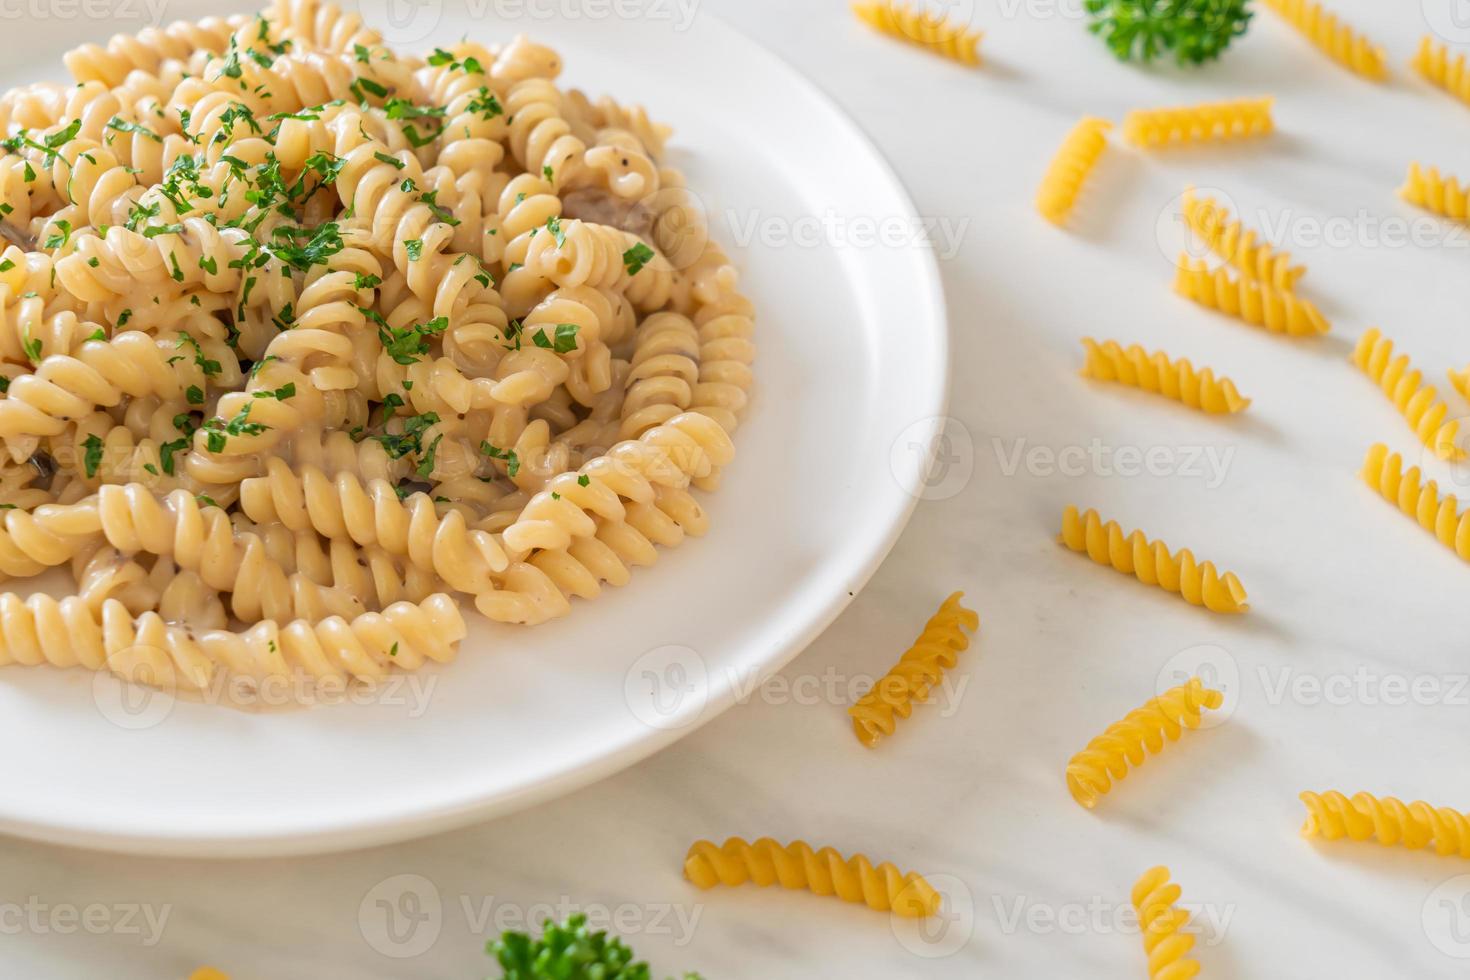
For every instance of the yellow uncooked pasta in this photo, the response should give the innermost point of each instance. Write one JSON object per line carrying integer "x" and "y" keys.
{"x": 1151, "y": 562}
{"x": 1178, "y": 380}
{"x": 1069, "y": 169}
{"x": 826, "y": 872}
{"x": 1440, "y": 66}
{"x": 918, "y": 670}
{"x": 1245, "y": 299}
{"x": 308, "y": 331}
{"x": 915, "y": 25}
{"x": 1333, "y": 37}
{"x": 1460, "y": 380}
{"x": 1417, "y": 402}
{"x": 1406, "y": 489}
{"x": 208, "y": 973}
{"x": 1206, "y": 122}
{"x": 1428, "y": 189}
{"x": 1417, "y": 826}
{"x": 1228, "y": 238}
{"x": 1155, "y": 899}
{"x": 1143, "y": 732}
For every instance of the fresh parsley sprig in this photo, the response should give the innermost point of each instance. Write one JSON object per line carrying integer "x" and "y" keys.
{"x": 1196, "y": 31}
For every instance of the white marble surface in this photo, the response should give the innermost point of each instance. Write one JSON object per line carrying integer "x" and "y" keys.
{"x": 1347, "y": 594}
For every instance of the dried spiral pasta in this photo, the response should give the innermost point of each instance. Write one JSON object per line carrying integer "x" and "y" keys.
{"x": 1176, "y": 380}
{"x": 1151, "y": 562}
{"x": 1388, "y": 821}
{"x": 1070, "y": 168}
{"x": 1417, "y": 402}
{"x": 301, "y": 332}
{"x": 1254, "y": 302}
{"x": 1228, "y": 238}
{"x": 1445, "y": 196}
{"x": 765, "y": 862}
{"x": 1144, "y": 731}
{"x": 1155, "y": 898}
{"x": 920, "y": 667}
{"x": 1208, "y": 121}
{"x": 1451, "y": 72}
{"x": 928, "y": 30}
{"x": 1437, "y": 513}
{"x": 1333, "y": 37}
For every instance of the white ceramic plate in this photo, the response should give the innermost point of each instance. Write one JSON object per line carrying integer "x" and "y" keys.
{"x": 852, "y": 378}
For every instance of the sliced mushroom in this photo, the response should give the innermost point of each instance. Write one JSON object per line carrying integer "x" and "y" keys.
{"x": 17, "y": 237}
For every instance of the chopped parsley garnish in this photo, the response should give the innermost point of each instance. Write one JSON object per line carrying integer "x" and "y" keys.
{"x": 123, "y": 126}
{"x": 217, "y": 431}
{"x": 511, "y": 460}
{"x": 564, "y": 340}
{"x": 92, "y": 454}
{"x": 408, "y": 344}
{"x": 635, "y": 258}
{"x": 63, "y": 235}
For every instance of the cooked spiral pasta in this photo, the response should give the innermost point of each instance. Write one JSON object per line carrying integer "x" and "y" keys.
{"x": 1256, "y": 303}
{"x": 1228, "y": 238}
{"x": 149, "y": 49}
{"x": 1388, "y": 821}
{"x": 1417, "y": 402}
{"x": 101, "y": 373}
{"x": 1405, "y": 488}
{"x": 826, "y": 872}
{"x": 1070, "y": 168}
{"x": 1151, "y": 562}
{"x": 299, "y": 335}
{"x": 1143, "y": 731}
{"x": 664, "y": 371}
{"x": 670, "y": 455}
{"x": 1333, "y": 37}
{"x": 1177, "y": 380}
{"x": 1448, "y": 71}
{"x": 1155, "y": 898}
{"x": 928, "y": 30}
{"x": 920, "y": 667}
{"x": 147, "y": 650}
{"x": 1429, "y": 190}
{"x": 1209, "y": 121}
{"x": 372, "y": 514}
